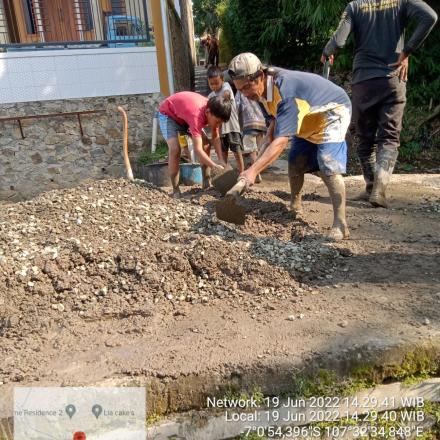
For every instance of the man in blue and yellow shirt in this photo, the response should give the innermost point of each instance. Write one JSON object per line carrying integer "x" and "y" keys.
{"x": 307, "y": 111}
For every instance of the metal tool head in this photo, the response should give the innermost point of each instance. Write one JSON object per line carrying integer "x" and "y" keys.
{"x": 225, "y": 181}
{"x": 230, "y": 211}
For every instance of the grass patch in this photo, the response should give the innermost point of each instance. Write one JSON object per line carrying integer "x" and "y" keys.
{"x": 327, "y": 383}
{"x": 416, "y": 367}
{"x": 233, "y": 393}
{"x": 161, "y": 153}
{"x": 153, "y": 418}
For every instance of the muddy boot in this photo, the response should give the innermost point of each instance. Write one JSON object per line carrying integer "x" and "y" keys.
{"x": 368, "y": 163}
{"x": 336, "y": 189}
{"x": 296, "y": 184}
{"x": 206, "y": 176}
{"x": 386, "y": 160}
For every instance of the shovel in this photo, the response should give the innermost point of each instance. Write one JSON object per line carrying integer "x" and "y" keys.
{"x": 326, "y": 69}
{"x": 225, "y": 181}
{"x": 229, "y": 209}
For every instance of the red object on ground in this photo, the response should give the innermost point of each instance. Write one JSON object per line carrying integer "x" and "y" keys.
{"x": 79, "y": 436}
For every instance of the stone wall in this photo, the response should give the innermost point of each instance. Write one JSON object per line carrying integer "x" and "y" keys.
{"x": 54, "y": 155}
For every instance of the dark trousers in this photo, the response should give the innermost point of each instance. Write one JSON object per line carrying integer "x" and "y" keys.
{"x": 378, "y": 106}
{"x": 213, "y": 57}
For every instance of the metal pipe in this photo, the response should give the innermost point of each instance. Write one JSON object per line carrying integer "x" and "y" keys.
{"x": 75, "y": 43}
{"x": 50, "y": 115}
{"x": 154, "y": 134}
{"x": 38, "y": 19}
{"x": 147, "y": 26}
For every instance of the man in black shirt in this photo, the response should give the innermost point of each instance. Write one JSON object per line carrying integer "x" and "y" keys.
{"x": 380, "y": 70}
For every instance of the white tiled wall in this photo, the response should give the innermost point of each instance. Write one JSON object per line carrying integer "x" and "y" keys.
{"x": 63, "y": 74}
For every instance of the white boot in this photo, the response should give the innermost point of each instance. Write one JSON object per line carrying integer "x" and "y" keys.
{"x": 386, "y": 160}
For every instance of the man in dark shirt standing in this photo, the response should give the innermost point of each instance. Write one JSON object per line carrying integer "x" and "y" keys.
{"x": 380, "y": 71}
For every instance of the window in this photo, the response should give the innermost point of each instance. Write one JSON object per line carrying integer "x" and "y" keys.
{"x": 127, "y": 29}
{"x": 86, "y": 15}
{"x": 118, "y": 7}
{"x": 29, "y": 17}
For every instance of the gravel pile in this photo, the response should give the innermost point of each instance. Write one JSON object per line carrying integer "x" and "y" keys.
{"x": 113, "y": 249}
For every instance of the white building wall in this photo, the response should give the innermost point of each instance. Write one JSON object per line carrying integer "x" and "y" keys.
{"x": 77, "y": 73}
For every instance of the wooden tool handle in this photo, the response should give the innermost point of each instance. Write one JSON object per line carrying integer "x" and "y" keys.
{"x": 125, "y": 147}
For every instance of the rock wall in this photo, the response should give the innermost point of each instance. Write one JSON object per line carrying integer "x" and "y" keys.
{"x": 53, "y": 153}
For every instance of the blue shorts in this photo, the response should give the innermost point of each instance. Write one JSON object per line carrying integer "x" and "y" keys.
{"x": 170, "y": 128}
{"x": 329, "y": 158}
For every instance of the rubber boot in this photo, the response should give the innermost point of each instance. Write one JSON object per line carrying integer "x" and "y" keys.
{"x": 368, "y": 163}
{"x": 386, "y": 160}
{"x": 336, "y": 189}
{"x": 206, "y": 176}
{"x": 296, "y": 183}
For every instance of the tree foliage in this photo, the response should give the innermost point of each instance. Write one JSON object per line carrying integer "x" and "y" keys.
{"x": 206, "y": 18}
{"x": 292, "y": 33}
{"x": 280, "y": 31}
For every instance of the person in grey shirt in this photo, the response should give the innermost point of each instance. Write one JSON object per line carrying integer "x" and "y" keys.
{"x": 230, "y": 135}
{"x": 380, "y": 72}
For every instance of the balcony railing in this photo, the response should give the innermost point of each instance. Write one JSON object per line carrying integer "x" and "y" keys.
{"x": 39, "y": 24}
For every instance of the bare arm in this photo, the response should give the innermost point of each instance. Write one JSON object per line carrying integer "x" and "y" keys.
{"x": 216, "y": 142}
{"x": 272, "y": 152}
{"x": 270, "y": 131}
{"x": 203, "y": 157}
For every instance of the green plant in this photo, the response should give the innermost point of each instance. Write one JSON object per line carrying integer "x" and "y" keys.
{"x": 410, "y": 149}
{"x": 161, "y": 153}
{"x": 231, "y": 392}
{"x": 153, "y": 418}
{"x": 326, "y": 383}
{"x": 416, "y": 367}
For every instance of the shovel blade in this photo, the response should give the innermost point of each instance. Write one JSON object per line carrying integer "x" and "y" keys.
{"x": 225, "y": 181}
{"x": 230, "y": 211}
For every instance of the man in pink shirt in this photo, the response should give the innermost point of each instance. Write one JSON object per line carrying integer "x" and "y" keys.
{"x": 189, "y": 111}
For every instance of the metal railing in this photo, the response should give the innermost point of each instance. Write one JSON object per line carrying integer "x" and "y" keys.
{"x": 73, "y": 23}
{"x": 52, "y": 115}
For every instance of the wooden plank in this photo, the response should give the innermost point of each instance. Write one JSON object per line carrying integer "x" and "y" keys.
{"x": 21, "y": 22}
{"x": 11, "y": 20}
{"x": 106, "y": 5}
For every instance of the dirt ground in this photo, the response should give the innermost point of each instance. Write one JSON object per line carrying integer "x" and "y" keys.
{"x": 114, "y": 279}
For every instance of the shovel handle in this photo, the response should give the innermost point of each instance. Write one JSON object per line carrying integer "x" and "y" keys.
{"x": 238, "y": 189}
{"x": 326, "y": 69}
